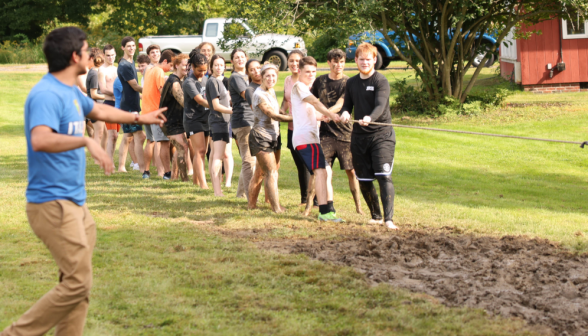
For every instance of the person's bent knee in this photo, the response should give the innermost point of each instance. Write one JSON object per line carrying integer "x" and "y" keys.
{"x": 384, "y": 179}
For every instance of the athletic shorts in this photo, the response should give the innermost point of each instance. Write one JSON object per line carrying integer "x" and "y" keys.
{"x": 313, "y": 156}
{"x": 341, "y": 150}
{"x": 172, "y": 129}
{"x": 289, "y": 144}
{"x": 149, "y": 133}
{"x": 259, "y": 144}
{"x": 373, "y": 154}
{"x": 279, "y": 145}
{"x": 195, "y": 127}
{"x": 131, "y": 128}
{"x": 111, "y": 126}
{"x": 206, "y": 134}
{"x": 221, "y": 137}
{"x": 157, "y": 133}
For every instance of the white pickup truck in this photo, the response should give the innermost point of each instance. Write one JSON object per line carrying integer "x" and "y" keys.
{"x": 267, "y": 47}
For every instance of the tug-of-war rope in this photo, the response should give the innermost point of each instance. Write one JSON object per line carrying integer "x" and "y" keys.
{"x": 581, "y": 143}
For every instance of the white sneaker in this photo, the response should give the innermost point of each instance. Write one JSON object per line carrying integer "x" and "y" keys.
{"x": 136, "y": 166}
{"x": 376, "y": 221}
{"x": 391, "y": 225}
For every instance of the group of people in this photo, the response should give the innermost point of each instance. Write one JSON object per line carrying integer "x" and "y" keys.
{"x": 192, "y": 107}
{"x": 206, "y": 110}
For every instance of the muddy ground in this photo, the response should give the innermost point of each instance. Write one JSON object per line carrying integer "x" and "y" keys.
{"x": 527, "y": 278}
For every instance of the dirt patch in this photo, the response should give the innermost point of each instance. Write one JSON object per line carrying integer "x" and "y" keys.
{"x": 532, "y": 279}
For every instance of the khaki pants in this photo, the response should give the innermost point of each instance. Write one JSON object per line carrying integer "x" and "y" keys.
{"x": 69, "y": 232}
{"x": 247, "y": 161}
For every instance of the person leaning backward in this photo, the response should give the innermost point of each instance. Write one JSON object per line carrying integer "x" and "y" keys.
{"x": 55, "y": 112}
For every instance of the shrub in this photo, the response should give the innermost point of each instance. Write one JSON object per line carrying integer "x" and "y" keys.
{"x": 412, "y": 100}
{"x": 23, "y": 52}
{"x": 319, "y": 45}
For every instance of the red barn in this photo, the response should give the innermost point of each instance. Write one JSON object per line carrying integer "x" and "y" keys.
{"x": 554, "y": 61}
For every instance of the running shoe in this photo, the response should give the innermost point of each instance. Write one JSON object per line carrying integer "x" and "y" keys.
{"x": 330, "y": 217}
{"x": 167, "y": 176}
{"x": 376, "y": 221}
{"x": 390, "y": 225}
{"x": 136, "y": 166}
{"x": 146, "y": 174}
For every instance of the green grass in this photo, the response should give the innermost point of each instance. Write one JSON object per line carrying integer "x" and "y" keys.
{"x": 173, "y": 260}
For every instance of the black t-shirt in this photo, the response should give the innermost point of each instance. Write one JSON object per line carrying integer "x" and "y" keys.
{"x": 130, "y": 100}
{"x": 175, "y": 111}
{"x": 329, "y": 91}
{"x": 368, "y": 97}
{"x": 242, "y": 114}
{"x": 194, "y": 113}
{"x": 249, "y": 92}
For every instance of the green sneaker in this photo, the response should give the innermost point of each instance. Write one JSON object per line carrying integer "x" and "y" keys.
{"x": 330, "y": 217}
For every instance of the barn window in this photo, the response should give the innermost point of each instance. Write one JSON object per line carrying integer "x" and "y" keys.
{"x": 574, "y": 30}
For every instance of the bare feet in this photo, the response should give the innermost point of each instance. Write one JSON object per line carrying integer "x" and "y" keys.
{"x": 252, "y": 207}
{"x": 359, "y": 211}
{"x": 122, "y": 170}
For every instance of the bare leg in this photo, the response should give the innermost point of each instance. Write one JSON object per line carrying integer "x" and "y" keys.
{"x": 218, "y": 151}
{"x": 310, "y": 195}
{"x": 199, "y": 143}
{"x": 181, "y": 145}
{"x": 329, "y": 183}
{"x": 320, "y": 183}
{"x": 157, "y": 159}
{"x": 90, "y": 129}
{"x": 99, "y": 127}
{"x": 175, "y": 170}
{"x": 267, "y": 162}
{"x": 111, "y": 143}
{"x": 148, "y": 152}
{"x": 122, "y": 151}
{"x": 255, "y": 186}
{"x": 139, "y": 138}
{"x": 354, "y": 188}
{"x": 164, "y": 153}
{"x": 229, "y": 163}
{"x": 132, "y": 151}
{"x": 104, "y": 137}
{"x": 189, "y": 157}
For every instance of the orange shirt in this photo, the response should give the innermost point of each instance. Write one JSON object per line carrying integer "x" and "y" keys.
{"x": 154, "y": 81}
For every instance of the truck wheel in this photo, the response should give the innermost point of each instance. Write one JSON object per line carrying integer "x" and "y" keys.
{"x": 481, "y": 54}
{"x": 278, "y": 58}
{"x": 379, "y": 62}
{"x": 386, "y": 63}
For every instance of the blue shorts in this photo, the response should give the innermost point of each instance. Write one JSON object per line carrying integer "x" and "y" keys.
{"x": 313, "y": 156}
{"x": 131, "y": 128}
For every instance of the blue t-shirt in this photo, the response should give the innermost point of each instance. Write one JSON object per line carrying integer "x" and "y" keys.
{"x": 56, "y": 176}
{"x": 117, "y": 90}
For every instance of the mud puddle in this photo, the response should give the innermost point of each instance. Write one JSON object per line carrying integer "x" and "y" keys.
{"x": 511, "y": 276}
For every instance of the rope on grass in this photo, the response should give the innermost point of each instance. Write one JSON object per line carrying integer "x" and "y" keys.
{"x": 581, "y": 143}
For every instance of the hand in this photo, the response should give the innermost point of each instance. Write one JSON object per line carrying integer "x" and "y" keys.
{"x": 335, "y": 117}
{"x": 345, "y": 117}
{"x": 365, "y": 121}
{"x": 100, "y": 156}
{"x": 155, "y": 117}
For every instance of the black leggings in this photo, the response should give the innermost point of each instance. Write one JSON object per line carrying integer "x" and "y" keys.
{"x": 371, "y": 197}
{"x": 303, "y": 174}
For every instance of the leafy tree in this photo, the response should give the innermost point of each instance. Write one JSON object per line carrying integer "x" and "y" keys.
{"x": 31, "y": 17}
{"x": 150, "y": 17}
{"x": 437, "y": 38}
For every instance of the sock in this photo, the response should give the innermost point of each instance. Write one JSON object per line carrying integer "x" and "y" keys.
{"x": 371, "y": 198}
{"x": 146, "y": 172}
{"x": 331, "y": 206}
{"x": 324, "y": 209}
{"x": 387, "y": 194}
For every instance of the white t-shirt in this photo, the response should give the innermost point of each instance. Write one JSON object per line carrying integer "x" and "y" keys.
{"x": 306, "y": 127}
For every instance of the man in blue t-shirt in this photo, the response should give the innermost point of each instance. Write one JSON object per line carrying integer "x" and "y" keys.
{"x": 55, "y": 113}
{"x": 131, "y": 99}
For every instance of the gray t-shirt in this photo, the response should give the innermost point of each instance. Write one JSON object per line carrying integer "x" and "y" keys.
{"x": 242, "y": 114}
{"x": 264, "y": 125}
{"x": 219, "y": 122}
{"x": 195, "y": 115}
{"x": 92, "y": 83}
{"x": 249, "y": 92}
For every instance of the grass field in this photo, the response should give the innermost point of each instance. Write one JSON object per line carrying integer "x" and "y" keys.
{"x": 173, "y": 260}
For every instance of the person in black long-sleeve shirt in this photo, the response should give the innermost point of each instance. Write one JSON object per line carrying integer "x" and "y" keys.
{"x": 372, "y": 146}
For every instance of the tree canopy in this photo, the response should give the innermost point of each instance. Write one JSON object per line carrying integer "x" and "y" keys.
{"x": 437, "y": 38}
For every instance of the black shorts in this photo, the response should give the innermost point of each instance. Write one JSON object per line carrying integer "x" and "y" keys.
{"x": 109, "y": 102}
{"x": 195, "y": 127}
{"x": 373, "y": 154}
{"x": 312, "y": 155}
{"x": 334, "y": 148}
{"x": 221, "y": 137}
{"x": 172, "y": 129}
{"x": 289, "y": 144}
{"x": 206, "y": 134}
{"x": 279, "y": 145}
{"x": 259, "y": 144}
